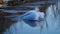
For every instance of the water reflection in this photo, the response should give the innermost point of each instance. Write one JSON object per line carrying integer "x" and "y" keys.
{"x": 30, "y": 22}
{"x": 14, "y": 24}
{"x": 5, "y": 22}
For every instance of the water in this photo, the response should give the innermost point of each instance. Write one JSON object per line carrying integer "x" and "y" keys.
{"x": 31, "y": 27}
{"x": 20, "y": 27}
{"x": 23, "y": 26}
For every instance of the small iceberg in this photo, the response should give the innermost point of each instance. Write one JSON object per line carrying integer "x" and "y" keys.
{"x": 33, "y": 15}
